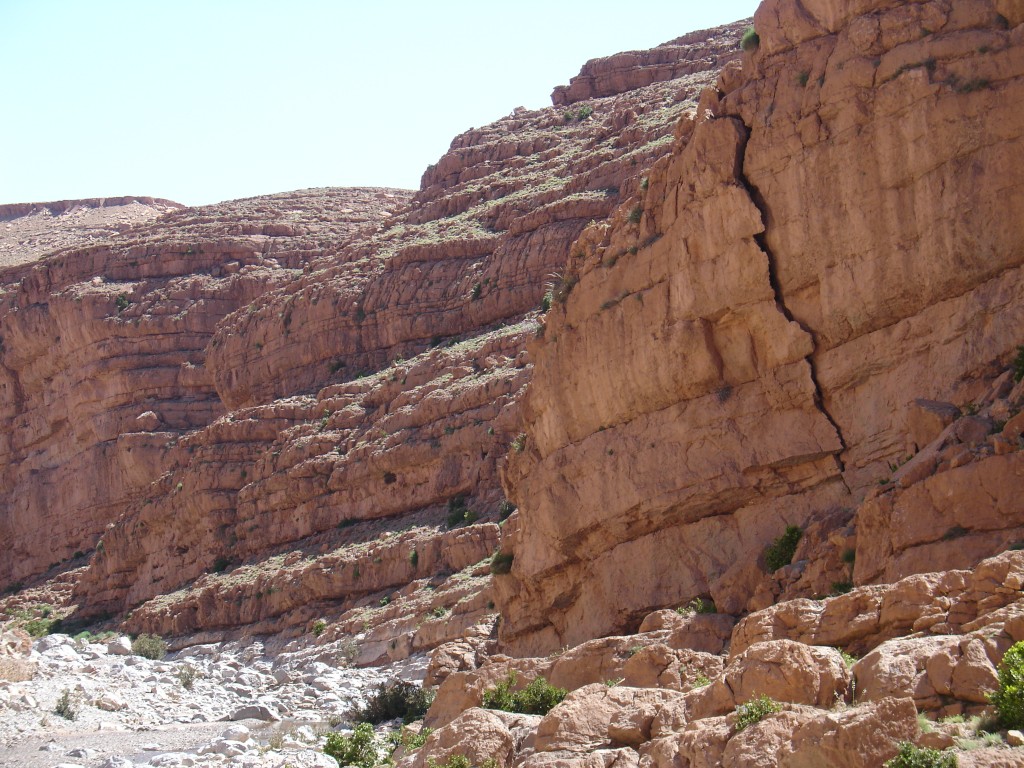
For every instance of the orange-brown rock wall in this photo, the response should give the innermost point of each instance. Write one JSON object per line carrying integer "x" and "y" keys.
{"x": 836, "y": 234}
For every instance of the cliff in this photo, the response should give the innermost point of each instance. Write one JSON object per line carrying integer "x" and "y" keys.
{"x": 834, "y": 237}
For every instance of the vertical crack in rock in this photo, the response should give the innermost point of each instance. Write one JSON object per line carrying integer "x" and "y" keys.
{"x": 761, "y": 240}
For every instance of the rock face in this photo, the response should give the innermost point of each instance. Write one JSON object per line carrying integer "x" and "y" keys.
{"x": 701, "y": 51}
{"x": 31, "y": 230}
{"x": 377, "y": 388}
{"x": 745, "y": 339}
{"x": 103, "y": 368}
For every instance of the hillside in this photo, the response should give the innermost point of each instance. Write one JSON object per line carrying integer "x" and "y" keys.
{"x": 718, "y": 358}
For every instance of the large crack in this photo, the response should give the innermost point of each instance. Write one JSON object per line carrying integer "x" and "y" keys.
{"x": 819, "y": 400}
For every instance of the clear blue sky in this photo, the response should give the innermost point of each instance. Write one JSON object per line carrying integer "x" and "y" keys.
{"x": 200, "y": 101}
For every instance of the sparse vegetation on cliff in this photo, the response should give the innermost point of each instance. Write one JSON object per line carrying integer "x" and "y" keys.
{"x": 921, "y": 757}
{"x": 1018, "y": 365}
{"x": 538, "y": 698}
{"x": 780, "y": 552}
{"x": 750, "y": 40}
{"x": 501, "y": 563}
{"x": 755, "y": 710}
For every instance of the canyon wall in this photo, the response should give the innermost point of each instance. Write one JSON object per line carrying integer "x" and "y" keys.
{"x": 103, "y": 356}
{"x": 379, "y": 388}
{"x": 836, "y": 234}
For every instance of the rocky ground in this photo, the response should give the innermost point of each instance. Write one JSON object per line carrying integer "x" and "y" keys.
{"x": 231, "y": 704}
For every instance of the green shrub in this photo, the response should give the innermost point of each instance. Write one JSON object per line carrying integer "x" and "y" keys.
{"x": 459, "y": 513}
{"x": 122, "y": 302}
{"x": 414, "y": 559}
{"x": 319, "y": 626}
{"x": 755, "y": 710}
{"x": 545, "y": 303}
{"x": 505, "y": 509}
{"x": 519, "y": 443}
{"x": 780, "y": 552}
{"x": 538, "y": 698}
{"x": 697, "y": 605}
{"x": 1009, "y": 696}
{"x": 359, "y": 749}
{"x": 66, "y": 707}
{"x": 1018, "y": 365}
{"x": 399, "y": 699}
{"x": 501, "y": 563}
{"x": 917, "y": 757}
{"x": 841, "y": 587}
{"x": 750, "y": 40}
{"x": 453, "y": 761}
{"x": 636, "y": 214}
{"x": 187, "y": 676}
{"x": 149, "y": 647}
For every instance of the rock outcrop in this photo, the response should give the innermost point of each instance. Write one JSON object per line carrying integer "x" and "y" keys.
{"x": 745, "y": 339}
{"x": 381, "y": 386}
{"x": 103, "y": 363}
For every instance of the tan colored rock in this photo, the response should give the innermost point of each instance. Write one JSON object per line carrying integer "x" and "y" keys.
{"x": 859, "y": 737}
{"x": 659, "y": 666}
{"x": 951, "y": 520}
{"x": 783, "y": 670}
{"x": 930, "y": 669}
{"x": 992, "y": 757}
{"x": 926, "y": 419}
{"x": 461, "y": 691}
{"x": 477, "y": 734}
{"x": 598, "y": 716}
{"x": 703, "y": 743}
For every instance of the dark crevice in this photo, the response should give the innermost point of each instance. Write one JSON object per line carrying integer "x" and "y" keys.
{"x": 760, "y": 239}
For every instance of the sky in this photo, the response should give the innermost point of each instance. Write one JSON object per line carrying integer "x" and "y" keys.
{"x": 200, "y": 101}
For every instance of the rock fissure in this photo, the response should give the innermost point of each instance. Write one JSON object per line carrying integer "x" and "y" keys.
{"x": 780, "y": 302}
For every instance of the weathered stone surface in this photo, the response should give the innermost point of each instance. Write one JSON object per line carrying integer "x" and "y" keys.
{"x": 478, "y": 734}
{"x": 830, "y": 89}
{"x": 705, "y": 50}
{"x": 930, "y": 669}
{"x": 955, "y": 518}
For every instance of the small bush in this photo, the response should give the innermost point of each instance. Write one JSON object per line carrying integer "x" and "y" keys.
{"x": 750, "y": 40}
{"x": 399, "y": 699}
{"x": 67, "y": 706}
{"x": 359, "y": 749}
{"x": 149, "y": 647}
{"x": 519, "y": 443}
{"x": 1009, "y": 696}
{"x": 505, "y": 509}
{"x": 636, "y": 214}
{"x": 319, "y": 626}
{"x": 697, "y": 605}
{"x": 501, "y": 563}
{"x": 545, "y": 303}
{"x": 187, "y": 676}
{"x": 538, "y": 698}
{"x": 780, "y": 552}
{"x": 459, "y": 513}
{"x": 755, "y": 710}
{"x": 917, "y": 757}
{"x": 841, "y": 587}
{"x": 453, "y": 761}
{"x": 122, "y": 302}
{"x": 414, "y": 559}
{"x": 1018, "y": 365}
